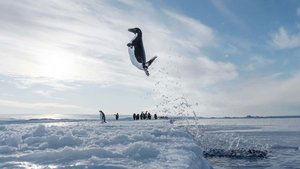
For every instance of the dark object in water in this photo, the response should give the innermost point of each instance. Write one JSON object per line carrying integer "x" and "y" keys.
{"x": 236, "y": 153}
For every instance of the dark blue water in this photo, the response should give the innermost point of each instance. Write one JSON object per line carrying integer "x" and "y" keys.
{"x": 280, "y": 136}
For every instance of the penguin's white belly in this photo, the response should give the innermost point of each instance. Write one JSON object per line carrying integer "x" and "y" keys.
{"x": 133, "y": 58}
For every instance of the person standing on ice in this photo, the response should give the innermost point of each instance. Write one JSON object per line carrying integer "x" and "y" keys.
{"x": 134, "y": 116}
{"x": 102, "y": 116}
{"x": 155, "y": 116}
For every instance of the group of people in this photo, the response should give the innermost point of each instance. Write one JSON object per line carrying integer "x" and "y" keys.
{"x": 143, "y": 116}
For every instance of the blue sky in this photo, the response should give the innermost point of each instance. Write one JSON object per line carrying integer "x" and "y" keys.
{"x": 224, "y": 57}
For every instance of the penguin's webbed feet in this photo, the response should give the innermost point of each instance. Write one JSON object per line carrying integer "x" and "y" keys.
{"x": 147, "y": 72}
{"x": 146, "y": 69}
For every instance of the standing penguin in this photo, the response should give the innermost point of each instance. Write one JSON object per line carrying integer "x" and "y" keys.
{"x": 102, "y": 116}
{"x": 136, "y": 51}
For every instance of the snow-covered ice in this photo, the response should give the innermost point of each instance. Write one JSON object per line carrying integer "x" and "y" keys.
{"x": 63, "y": 143}
{"x": 91, "y": 144}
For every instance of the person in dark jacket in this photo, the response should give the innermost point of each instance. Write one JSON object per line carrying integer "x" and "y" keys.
{"x": 137, "y": 117}
{"x": 155, "y": 116}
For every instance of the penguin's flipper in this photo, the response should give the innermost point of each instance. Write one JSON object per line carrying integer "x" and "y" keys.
{"x": 150, "y": 61}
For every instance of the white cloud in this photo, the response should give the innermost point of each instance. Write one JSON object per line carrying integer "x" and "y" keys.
{"x": 192, "y": 31}
{"x": 282, "y": 39}
{"x": 221, "y": 6}
{"x": 258, "y": 62}
{"x": 203, "y": 72}
{"x": 36, "y": 106}
{"x": 269, "y": 95}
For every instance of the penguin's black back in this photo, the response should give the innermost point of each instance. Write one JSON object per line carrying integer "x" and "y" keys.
{"x": 139, "y": 51}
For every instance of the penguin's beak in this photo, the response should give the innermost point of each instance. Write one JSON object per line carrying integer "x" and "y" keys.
{"x": 131, "y": 30}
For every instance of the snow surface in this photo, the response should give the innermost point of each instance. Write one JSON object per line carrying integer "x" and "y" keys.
{"x": 91, "y": 144}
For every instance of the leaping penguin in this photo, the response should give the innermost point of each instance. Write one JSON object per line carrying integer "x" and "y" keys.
{"x": 137, "y": 53}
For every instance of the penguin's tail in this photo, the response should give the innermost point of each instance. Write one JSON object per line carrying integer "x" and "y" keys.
{"x": 150, "y": 61}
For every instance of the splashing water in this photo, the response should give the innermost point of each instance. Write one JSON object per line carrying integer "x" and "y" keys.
{"x": 174, "y": 103}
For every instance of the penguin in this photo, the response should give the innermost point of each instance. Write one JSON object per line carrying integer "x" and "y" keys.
{"x": 137, "y": 52}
